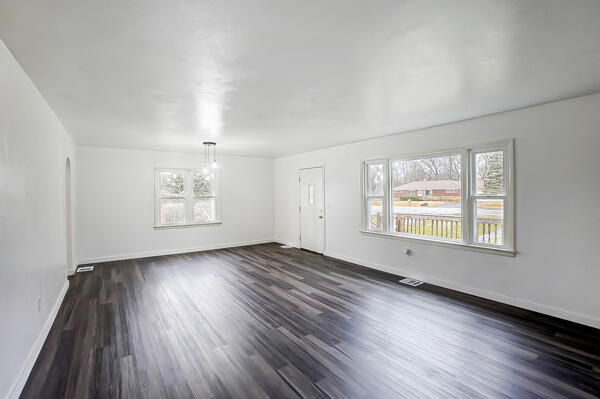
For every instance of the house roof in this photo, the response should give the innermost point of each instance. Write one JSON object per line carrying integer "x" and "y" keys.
{"x": 429, "y": 185}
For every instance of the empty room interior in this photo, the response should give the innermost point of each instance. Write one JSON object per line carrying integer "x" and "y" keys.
{"x": 300, "y": 199}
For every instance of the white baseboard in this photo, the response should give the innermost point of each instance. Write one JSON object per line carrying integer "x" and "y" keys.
{"x": 19, "y": 384}
{"x": 135, "y": 255}
{"x": 494, "y": 296}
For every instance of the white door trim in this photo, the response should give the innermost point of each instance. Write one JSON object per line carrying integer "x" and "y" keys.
{"x": 322, "y": 166}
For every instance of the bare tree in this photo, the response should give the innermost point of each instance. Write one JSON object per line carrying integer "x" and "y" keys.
{"x": 436, "y": 168}
{"x": 453, "y": 169}
{"x": 400, "y": 171}
{"x": 375, "y": 179}
{"x": 432, "y": 167}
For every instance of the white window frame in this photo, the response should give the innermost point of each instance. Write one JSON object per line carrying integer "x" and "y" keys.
{"x": 468, "y": 198}
{"x": 188, "y": 197}
{"x": 508, "y": 197}
{"x": 367, "y": 197}
{"x": 390, "y": 217}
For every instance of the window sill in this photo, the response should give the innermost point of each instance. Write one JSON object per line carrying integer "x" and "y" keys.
{"x": 447, "y": 244}
{"x": 179, "y": 226}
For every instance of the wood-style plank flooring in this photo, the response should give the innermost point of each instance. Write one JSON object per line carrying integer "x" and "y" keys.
{"x": 262, "y": 321}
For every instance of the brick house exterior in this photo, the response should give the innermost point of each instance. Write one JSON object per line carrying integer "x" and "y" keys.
{"x": 430, "y": 190}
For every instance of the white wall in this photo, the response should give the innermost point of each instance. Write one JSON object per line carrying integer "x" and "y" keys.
{"x": 557, "y": 162}
{"x": 116, "y": 204}
{"x": 33, "y": 150}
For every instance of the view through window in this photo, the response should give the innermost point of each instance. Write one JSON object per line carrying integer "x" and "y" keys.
{"x": 204, "y": 198}
{"x": 172, "y": 197}
{"x": 489, "y": 197}
{"x": 427, "y": 196}
{"x": 374, "y": 197}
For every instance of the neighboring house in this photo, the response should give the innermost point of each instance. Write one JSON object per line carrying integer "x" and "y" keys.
{"x": 433, "y": 189}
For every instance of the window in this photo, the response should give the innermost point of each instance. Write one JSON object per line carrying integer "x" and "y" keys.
{"x": 489, "y": 196}
{"x": 426, "y": 214}
{"x": 462, "y": 197}
{"x": 185, "y": 197}
{"x": 374, "y": 195}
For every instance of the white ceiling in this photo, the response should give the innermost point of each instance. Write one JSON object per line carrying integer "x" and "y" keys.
{"x": 277, "y": 77}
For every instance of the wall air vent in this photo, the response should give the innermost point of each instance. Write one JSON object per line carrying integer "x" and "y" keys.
{"x": 85, "y": 269}
{"x": 411, "y": 281}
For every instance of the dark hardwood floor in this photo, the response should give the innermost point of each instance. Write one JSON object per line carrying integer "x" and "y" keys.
{"x": 261, "y": 321}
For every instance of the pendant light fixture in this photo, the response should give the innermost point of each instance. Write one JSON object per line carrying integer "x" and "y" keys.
{"x": 207, "y": 147}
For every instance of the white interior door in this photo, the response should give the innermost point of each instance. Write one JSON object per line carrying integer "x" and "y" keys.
{"x": 312, "y": 210}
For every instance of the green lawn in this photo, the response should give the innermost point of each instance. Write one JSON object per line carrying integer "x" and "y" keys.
{"x": 446, "y": 229}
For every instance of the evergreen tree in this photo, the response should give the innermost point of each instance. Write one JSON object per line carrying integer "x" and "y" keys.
{"x": 494, "y": 176}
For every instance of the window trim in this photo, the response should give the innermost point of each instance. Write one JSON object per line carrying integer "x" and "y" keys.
{"x": 367, "y": 198}
{"x": 468, "y": 173}
{"x": 507, "y": 198}
{"x": 414, "y": 157}
{"x": 188, "y": 198}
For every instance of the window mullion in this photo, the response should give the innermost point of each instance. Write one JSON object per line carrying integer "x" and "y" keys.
{"x": 217, "y": 193}
{"x": 363, "y": 194}
{"x": 156, "y": 197}
{"x": 466, "y": 207}
{"x": 189, "y": 193}
{"x": 386, "y": 200}
{"x": 509, "y": 201}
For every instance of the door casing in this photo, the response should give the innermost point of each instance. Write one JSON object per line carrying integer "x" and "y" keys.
{"x": 324, "y": 235}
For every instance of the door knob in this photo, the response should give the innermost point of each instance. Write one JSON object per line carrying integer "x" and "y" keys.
{"x": 320, "y": 217}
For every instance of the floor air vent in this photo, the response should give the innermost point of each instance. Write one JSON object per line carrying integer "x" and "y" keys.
{"x": 85, "y": 269}
{"x": 411, "y": 281}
